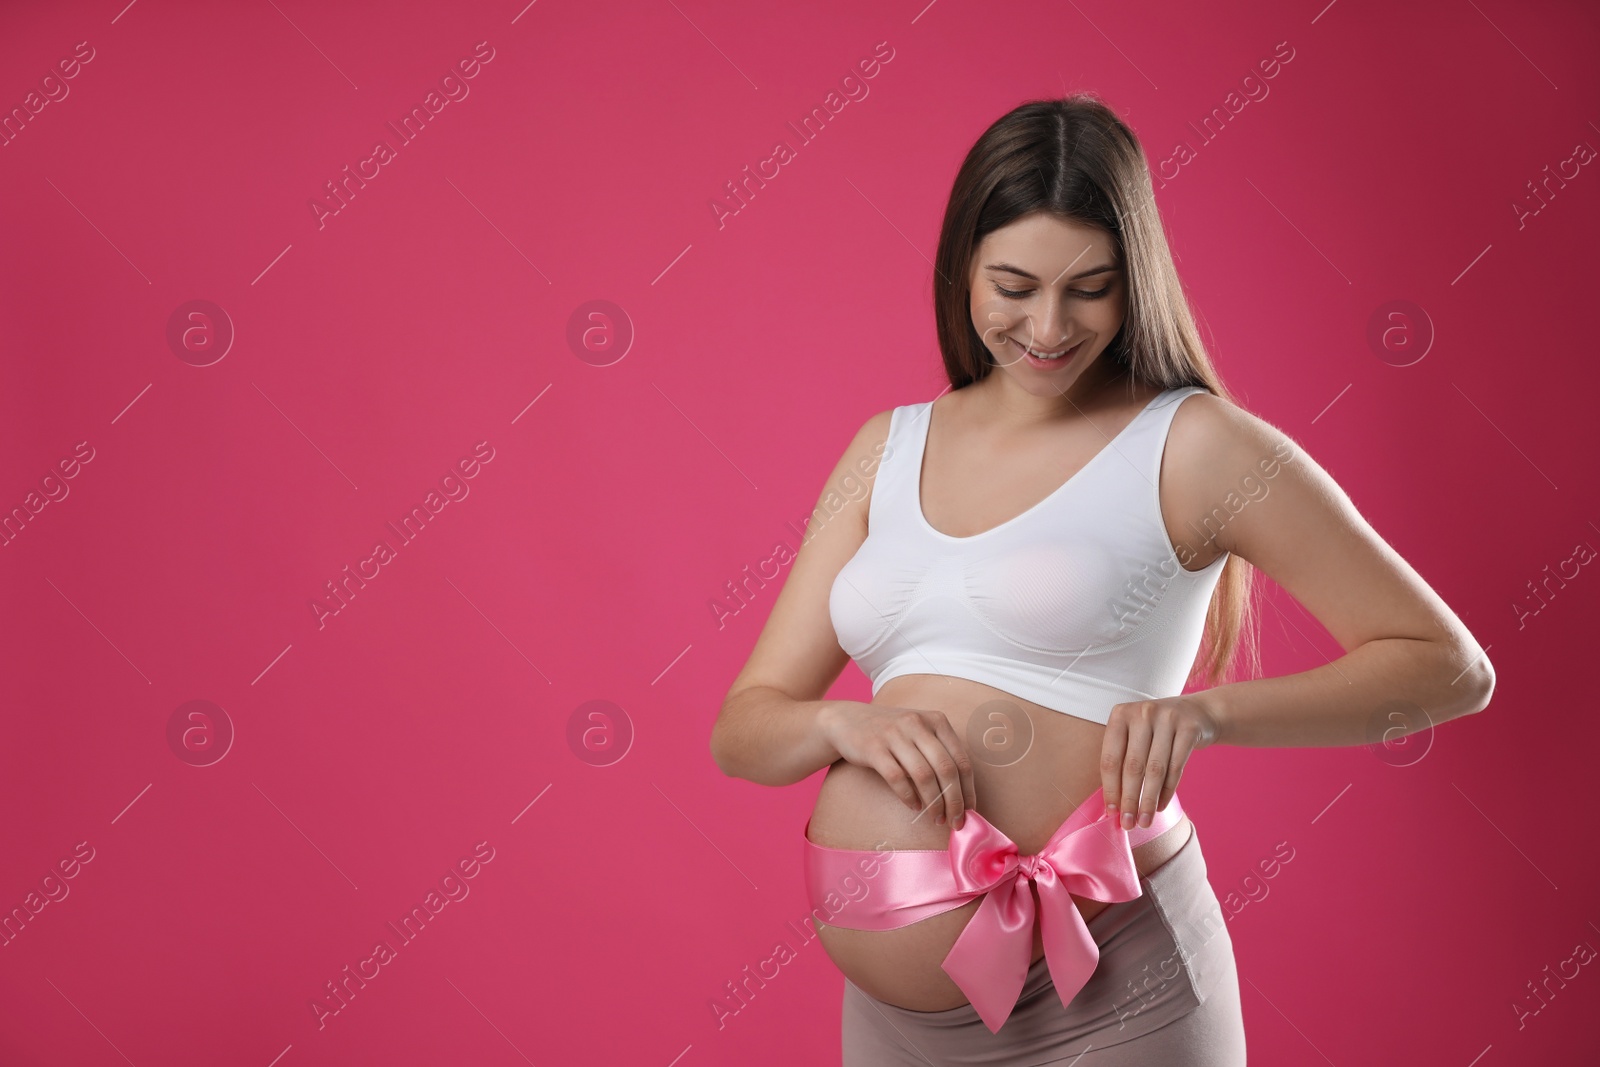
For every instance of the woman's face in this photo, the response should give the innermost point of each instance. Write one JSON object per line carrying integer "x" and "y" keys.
{"x": 1050, "y": 285}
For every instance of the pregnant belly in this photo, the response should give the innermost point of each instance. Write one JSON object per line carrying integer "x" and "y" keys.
{"x": 1032, "y": 767}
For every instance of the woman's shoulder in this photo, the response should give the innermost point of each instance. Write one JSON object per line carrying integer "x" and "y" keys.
{"x": 1211, "y": 434}
{"x": 870, "y": 443}
{"x": 1207, "y": 418}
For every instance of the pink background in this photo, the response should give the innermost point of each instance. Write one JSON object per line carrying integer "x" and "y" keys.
{"x": 374, "y": 750}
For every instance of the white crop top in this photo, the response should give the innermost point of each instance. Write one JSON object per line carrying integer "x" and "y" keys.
{"x": 1077, "y": 604}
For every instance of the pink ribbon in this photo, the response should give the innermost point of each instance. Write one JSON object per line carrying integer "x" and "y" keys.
{"x": 1085, "y": 857}
{"x": 990, "y": 959}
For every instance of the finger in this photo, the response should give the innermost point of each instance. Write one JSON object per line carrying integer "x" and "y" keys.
{"x": 1133, "y": 763}
{"x": 1157, "y": 766}
{"x": 944, "y": 766}
{"x": 947, "y": 780}
{"x": 889, "y": 769}
{"x": 1112, "y": 748}
{"x": 923, "y": 781}
{"x": 1183, "y": 742}
{"x": 967, "y": 778}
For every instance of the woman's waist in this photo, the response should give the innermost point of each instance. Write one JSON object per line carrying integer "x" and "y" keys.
{"x": 1074, "y": 688}
{"x": 1032, "y": 766}
{"x": 1076, "y": 703}
{"x": 856, "y": 809}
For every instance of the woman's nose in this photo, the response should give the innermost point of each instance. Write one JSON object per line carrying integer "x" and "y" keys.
{"x": 1048, "y": 329}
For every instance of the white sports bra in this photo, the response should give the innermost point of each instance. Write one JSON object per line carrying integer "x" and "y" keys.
{"x": 1077, "y": 604}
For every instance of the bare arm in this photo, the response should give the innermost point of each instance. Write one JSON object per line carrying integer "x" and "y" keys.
{"x": 1404, "y": 648}
{"x": 772, "y": 728}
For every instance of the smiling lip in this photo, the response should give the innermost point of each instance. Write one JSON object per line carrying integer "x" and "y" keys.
{"x": 1045, "y": 363}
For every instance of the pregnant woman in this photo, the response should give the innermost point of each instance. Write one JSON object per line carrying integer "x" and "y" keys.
{"x": 1028, "y": 568}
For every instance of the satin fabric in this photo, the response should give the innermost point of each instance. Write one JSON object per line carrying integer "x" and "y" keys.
{"x": 1089, "y": 855}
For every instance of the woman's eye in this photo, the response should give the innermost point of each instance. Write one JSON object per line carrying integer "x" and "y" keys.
{"x": 1015, "y": 293}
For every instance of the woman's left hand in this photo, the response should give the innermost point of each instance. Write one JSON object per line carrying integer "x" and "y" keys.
{"x": 1147, "y": 743}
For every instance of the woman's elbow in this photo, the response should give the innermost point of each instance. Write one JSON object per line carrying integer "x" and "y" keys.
{"x": 1486, "y": 686}
{"x": 719, "y": 750}
{"x": 726, "y": 744}
{"x": 1478, "y": 678}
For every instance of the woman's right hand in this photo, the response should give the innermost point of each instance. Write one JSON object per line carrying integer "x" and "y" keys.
{"x": 917, "y": 752}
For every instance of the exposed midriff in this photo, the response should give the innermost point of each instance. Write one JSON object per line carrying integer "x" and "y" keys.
{"x": 1025, "y": 798}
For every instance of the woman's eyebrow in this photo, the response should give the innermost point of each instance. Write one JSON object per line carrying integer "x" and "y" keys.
{"x": 1019, "y": 272}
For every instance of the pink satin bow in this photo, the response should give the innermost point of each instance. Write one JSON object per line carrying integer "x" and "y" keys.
{"x": 1089, "y": 855}
{"x": 990, "y": 959}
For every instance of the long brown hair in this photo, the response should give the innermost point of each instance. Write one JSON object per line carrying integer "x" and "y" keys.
{"x": 1075, "y": 159}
